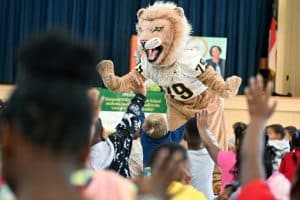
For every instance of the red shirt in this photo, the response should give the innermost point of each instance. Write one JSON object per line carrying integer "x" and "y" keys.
{"x": 257, "y": 189}
{"x": 287, "y": 166}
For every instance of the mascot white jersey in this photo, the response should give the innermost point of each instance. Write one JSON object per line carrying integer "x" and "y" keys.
{"x": 179, "y": 80}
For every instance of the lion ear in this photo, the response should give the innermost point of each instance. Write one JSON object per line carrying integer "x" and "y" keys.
{"x": 140, "y": 12}
{"x": 179, "y": 11}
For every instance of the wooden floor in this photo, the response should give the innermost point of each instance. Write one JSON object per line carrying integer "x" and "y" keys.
{"x": 287, "y": 112}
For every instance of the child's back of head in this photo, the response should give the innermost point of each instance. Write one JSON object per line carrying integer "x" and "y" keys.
{"x": 275, "y": 132}
{"x": 155, "y": 126}
{"x": 191, "y": 133}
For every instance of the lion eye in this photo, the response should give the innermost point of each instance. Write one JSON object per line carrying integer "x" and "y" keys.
{"x": 158, "y": 29}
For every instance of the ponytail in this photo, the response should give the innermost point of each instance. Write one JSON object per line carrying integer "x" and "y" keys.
{"x": 295, "y": 157}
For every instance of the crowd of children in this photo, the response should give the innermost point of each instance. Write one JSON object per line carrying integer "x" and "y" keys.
{"x": 54, "y": 146}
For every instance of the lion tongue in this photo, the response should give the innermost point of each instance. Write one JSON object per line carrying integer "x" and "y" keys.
{"x": 152, "y": 53}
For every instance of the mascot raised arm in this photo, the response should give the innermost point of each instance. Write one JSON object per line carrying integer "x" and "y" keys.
{"x": 190, "y": 84}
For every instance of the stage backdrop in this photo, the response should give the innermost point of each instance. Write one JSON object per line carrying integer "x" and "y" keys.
{"x": 111, "y": 23}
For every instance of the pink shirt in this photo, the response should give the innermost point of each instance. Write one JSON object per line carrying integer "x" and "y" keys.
{"x": 226, "y": 161}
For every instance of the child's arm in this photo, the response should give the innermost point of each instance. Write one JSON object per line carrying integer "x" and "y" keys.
{"x": 202, "y": 125}
{"x": 122, "y": 139}
{"x": 253, "y": 145}
{"x": 131, "y": 119}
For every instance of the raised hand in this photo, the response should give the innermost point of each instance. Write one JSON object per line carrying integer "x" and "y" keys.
{"x": 202, "y": 118}
{"x": 202, "y": 125}
{"x": 252, "y": 148}
{"x": 258, "y": 98}
{"x": 105, "y": 69}
{"x": 138, "y": 85}
{"x": 164, "y": 171}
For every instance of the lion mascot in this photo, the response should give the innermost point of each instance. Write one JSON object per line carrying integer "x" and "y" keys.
{"x": 190, "y": 84}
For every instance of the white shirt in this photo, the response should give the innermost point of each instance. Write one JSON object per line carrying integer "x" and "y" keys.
{"x": 202, "y": 167}
{"x": 101, "y": 155}
{"x": 136, "y": 159}
{"x": 179, "y": 80}
{"x": 282, "y": 147}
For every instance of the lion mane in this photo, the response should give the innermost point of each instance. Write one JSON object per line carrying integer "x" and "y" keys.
{"x": 167, "y": 22}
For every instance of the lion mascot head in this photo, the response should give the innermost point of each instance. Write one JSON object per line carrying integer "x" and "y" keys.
{"x": 162, "y": 31}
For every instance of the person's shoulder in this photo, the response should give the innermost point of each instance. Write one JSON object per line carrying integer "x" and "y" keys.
{"x": 227, "y": 153}
{"x": 282, "y": 145}
{"x": 145, "y": 138}
{"x": 277, "y": 176}
{"x": 199, "y": 152}
{"x": 102, "y": 178}
{"x": 256, "y": 189}
{"x": 279, "y": 185}
{"x": 200, "y": 156}
{"x": 226, "y": 158}
{"x": 99, "y": 145}
{"x": 184, "y": 191}
{"x": 288, "y": 155}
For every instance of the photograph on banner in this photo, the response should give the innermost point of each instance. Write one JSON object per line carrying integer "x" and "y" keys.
{"x": 213, "y": 49}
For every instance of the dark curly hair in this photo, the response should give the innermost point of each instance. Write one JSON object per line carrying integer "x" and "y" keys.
{"x": 51, "y": 106}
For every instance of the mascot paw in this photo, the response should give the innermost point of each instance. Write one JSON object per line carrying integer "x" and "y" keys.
{"x": 226, "y": 94}
{"x": 233, "y": 84}
{"x": 105, "y": 68}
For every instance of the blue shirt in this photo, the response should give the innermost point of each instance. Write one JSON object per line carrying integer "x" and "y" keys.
{"x": 149, "y": 144}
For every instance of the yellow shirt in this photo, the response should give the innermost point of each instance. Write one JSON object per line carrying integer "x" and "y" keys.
{"x": 179, "y": 191}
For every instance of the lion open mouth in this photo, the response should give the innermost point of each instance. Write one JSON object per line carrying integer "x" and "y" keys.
{"x": 153, "y": 54}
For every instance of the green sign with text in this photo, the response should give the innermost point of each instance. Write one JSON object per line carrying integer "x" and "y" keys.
{"x": 155, "y": 102}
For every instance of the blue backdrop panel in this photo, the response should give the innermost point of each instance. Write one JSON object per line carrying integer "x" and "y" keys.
{"x": 110, "y": 23}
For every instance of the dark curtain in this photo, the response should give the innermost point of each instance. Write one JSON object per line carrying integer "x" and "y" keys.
{"x": 109, "y": 24}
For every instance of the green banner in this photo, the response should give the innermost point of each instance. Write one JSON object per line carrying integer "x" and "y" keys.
{"x": 155, "y": 102}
